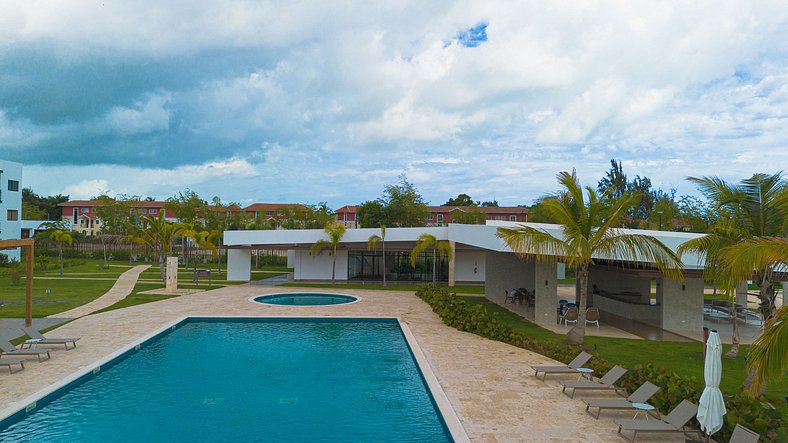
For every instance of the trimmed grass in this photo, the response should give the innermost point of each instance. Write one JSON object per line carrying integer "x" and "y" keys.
{"x": 64, "y": 294}
{"x": 135, "y": 298}
{"x": 679, "y": 357}
{"x": 460, "y": 289}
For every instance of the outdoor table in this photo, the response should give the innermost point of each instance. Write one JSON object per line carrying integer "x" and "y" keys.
{"x": 587, "y": 373}
{"x": 642, "y": 407}
{"x": 32, "y": 343}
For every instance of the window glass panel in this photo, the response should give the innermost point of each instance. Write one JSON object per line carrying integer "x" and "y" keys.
{"x": 13, "y": 185}
{"x": 13, "y": 215}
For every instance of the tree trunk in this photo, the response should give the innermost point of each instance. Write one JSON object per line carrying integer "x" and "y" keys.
{"x": 734, "y": 352}
{"x": 384, "y": 262}
{"x": 766, "y": 295}
{"x": 334, "y": 269}
{"x": 161, "y": 266}
{"x": 577, "y": 334}
{"x": 433, "y": 266}
{"x": 60, "y": 254}
{"x": 184, "y": 249}
{"x": 104, "y": 249}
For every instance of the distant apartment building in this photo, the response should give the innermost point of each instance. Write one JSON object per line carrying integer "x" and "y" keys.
{"x": 443, "y": 215}
{"x": 10, "y": 205}
{"x": 270, "y": 211}
{"x": 82, "y": 215}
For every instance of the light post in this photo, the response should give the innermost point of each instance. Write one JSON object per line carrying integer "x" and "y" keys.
{"x": 659, "y": 217}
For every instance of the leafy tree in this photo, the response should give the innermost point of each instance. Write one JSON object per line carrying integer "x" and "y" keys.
{"x": 401, "y": 205}
{"x": 371, "y": 214}
{"x": 372, "y": 245}
{"x": 614, "y": 183}
{"x": 696, "y": 213}
{"x": 469, "y": 218}
{"x": 755, "y": 208}
{"x": 49, "y": 205}
{"x": 663, "y": 213}
{"x": 589, "y": 229}
{"x": 186, "y": 206}
{"x": 157, "y": 234}
{"x": 61, "y": 238}
{"x": 490, "y": 203}
{"x": 32, "y": 212}
{"x": 335, "y": 231}
{"x": 116, "y": 213}
{"x": 461, "y": 200}
{"x": 440, "y": 248}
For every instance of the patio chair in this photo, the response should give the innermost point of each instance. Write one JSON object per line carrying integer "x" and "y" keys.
{"x": 671, "y": 423}
{"x": 592, "y": 316}
{"x": 10, "y": 362}
{"x": 6, "y": 348}
{"x": 641, "y": 395}
{"x": 570, "y": 316}
{"x": 511, "y": 296}
{"x": 607, "y": 382}
{"x": 39, "y": 339}
{"x": 744, "y": 435}
{"x": 581, "y": 359}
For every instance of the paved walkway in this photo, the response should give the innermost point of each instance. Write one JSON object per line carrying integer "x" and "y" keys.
{"x": 122, "y": 287}
{"x": 489, "y": 384}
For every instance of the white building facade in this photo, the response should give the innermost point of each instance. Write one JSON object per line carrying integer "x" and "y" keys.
{"x": 10, "y": 205}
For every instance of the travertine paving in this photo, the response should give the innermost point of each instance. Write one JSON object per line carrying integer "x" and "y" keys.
{"x": 489, "y": 384}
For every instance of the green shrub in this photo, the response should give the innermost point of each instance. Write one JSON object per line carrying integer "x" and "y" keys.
{"x": 742, "y": 407}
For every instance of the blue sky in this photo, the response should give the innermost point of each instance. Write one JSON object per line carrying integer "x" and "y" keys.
{"x": 331, "y": 101}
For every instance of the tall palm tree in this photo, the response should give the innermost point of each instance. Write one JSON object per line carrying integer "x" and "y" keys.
{"x": 768, "y": 355}
{"x": 439, "y": 248}
{"x": 589, "y": 230}
{"x": 61, "y": 238}
{"x": 158, "y": 234}
{"x": 372, "y": 244}
{"x": 755, "y": 208}
{"x": 335, "y": 231}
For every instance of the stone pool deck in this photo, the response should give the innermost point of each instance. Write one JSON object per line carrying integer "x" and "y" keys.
{"x": 489, "y": 384}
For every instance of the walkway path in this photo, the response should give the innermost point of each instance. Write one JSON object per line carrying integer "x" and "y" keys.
{"x": 122, "y": 288}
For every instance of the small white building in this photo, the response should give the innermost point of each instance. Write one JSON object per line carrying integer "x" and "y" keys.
{"x": 10, "y": 204}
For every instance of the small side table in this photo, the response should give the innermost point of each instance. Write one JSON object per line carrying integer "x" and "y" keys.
{"x": 642, "y": 407}
{"x": 587, "y": 373}
{"x": 31, "y": 343}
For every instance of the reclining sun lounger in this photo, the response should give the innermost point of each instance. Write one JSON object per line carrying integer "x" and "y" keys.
{"x": 606, "y": 382}
{"x": 641, "y": 395}
{"x": 571, "y": 368}
{"x": 673, "y": 422}
{"x": 744, "y": 435}
{"x": 10, "y": 362}
{"x": 34, "y": 334}
{"x": 6, "y": 348}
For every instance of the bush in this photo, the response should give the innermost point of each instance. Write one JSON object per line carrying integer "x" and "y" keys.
{"x": 742, "y": 407}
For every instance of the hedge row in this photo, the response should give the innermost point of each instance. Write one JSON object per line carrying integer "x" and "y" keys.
{"x": 742, "y": 407}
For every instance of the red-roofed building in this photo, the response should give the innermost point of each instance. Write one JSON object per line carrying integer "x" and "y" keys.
{"x": 443, "y": 215}
{"x": 81, "y": 214}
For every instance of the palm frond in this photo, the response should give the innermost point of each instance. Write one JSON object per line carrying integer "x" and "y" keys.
{"x": 767, "y": 358}
{"x": 757, "y": 254}
{"x": 372, "y": 242}
{"x": 525, "y": 240}
{"x": 424, "y": 242}
{"x": 319, "y": 245}
{"x": 643, "y": 248}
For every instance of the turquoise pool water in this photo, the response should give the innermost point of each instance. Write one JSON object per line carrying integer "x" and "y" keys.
{"x": 240, "y": 381}
{"x": 305, "y": 299}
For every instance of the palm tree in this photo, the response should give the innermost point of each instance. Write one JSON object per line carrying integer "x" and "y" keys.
{"x": 61, "y": 237}
{"x": 768, "y": 356}
{"x": 335, "y": 231}
{"x": 755, "y": 208}
{"x": 158, "y": 234}
{"x": 439, "y": 248}
{"x": 589, "y": 230}
{"x": 372, "y": 244}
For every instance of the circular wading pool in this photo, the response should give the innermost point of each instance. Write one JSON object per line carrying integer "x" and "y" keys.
{"x": 305, "y": 299}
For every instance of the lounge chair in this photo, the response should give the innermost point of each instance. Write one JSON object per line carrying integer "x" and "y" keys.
{"x": 571, "y": 368}
{"x": 641, "y": 395}
{"x": 570, "y": 316}
{"x": 606, "y": 382}
{"x": 592, "y": 316}
{"x": 671, "y": 423}
{"x": 10, "y": 362}
{"x": 34, "y": 334}
{"x": 6, "y": 348}
{"x": 744, "y": 435}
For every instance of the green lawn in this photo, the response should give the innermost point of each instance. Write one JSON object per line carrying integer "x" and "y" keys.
{"x": 460, "y": 289}
{"x": 682, "y": 358}
{"x": 135, "y": 298}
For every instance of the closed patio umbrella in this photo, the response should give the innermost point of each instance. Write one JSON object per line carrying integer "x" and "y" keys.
{"x": 711, "y": 407}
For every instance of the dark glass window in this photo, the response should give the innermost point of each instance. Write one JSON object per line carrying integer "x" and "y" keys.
{"x": 368, "y": 265}
{"x": 13, "y": 185}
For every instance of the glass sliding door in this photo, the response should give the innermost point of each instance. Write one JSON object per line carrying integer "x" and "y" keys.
{"x": 367, "y": 265}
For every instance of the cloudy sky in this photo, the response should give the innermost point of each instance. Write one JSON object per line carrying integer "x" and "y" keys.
{"x": 314, "y": 101}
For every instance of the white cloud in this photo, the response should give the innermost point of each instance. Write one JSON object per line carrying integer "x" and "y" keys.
{"x": 86, "y": 189}
{"x": 144, "y": 116}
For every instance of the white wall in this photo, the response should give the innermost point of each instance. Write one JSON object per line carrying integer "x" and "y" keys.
{"x": 239, "y": 264}
{"x": 469, "y": 266}
{"x": 11, "y": 200}
{"x": 318, "y": 267}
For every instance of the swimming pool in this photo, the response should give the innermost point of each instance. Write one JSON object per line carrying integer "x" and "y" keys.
{"x": 250, "y": 380}
{"x": 305, "y": 299}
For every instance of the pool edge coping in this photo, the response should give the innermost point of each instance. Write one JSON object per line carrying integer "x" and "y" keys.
{"x": 357, "y": 298}
{"x": 442, "y": 402}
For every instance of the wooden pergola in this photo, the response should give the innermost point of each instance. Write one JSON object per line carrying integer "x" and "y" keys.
{"x": 30, "y": 244}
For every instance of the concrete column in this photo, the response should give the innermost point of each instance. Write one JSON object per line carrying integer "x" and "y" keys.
{"x": 785, "y": 286}
{"x": 239, "y": 265}
{"x": 546, "y": 290}
{"x": 681, "y": 304}
{"x": 741, "y": 294}
{"x": 171, "y": 281}
{"x": 452, "y": 262}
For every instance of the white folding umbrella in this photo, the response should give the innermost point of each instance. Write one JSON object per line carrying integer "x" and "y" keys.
{"x": 711, "y": 407}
